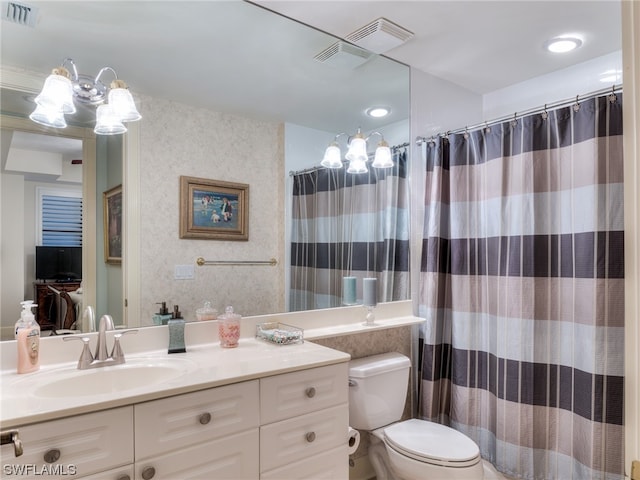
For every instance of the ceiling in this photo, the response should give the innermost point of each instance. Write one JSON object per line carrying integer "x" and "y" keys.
{"x": 241, "y": 58}
{"x": 480, "y": 45}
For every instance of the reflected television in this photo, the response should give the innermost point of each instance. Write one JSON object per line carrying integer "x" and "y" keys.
{"x": 59, "y": 263}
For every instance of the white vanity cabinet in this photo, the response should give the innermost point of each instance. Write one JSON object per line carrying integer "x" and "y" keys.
{"x": 304, "y": 422}
{"x": 212, "y": 433}
{"x": 286, "y": 426}
{"x": 82, "y": 445}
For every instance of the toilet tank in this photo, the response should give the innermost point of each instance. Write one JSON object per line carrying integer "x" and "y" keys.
{"x": 377, "y": 390}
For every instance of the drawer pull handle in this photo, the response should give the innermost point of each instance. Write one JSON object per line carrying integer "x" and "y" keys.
{"x": 311, "y": 436}
{"x": 311, "y": 392}
{"x": 148, "y": 473}
{"x": 205, "y": 418}
{"x": 52, "y": 455}
{"x": 124, "y": 477}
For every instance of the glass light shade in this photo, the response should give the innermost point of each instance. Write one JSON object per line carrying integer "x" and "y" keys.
{"x": 357, "y": 166}
{"x": 48, "y": 117}
{"x": 108, "y": 122}
{"x": 57, "y": 94}
{"x": 332, "y": 157}
{"x": 382, "y": 158}
{"x": 122, "y": 102}
{"x": 357, "y": 149}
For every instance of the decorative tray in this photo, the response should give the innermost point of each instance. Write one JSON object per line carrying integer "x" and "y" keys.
{"x": 279, "y": 333}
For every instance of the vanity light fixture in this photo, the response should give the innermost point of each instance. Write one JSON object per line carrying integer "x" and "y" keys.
{"x": 61, "y": 90}
{"x": 563, "y": 44}
{"x": 357, "y": 153}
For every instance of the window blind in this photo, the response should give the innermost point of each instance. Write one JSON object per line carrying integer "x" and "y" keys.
{"x": 61, "y": 221}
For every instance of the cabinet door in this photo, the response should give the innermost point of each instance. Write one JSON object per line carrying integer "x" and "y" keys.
{"x": 330, "y": 465}
{"x": 88, "y": 444}
{"x": 232, "y": 457}
{"x": 301, "y": 437}
{"x": 291, "y": 394}
{"x": 171, "y": 423}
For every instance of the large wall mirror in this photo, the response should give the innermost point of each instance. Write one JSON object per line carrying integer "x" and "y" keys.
{"x": 234, "y": 94}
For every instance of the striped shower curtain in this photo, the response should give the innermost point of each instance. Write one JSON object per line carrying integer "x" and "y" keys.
{"x": 522, "y": 291}
{"x": 349, "y": 225}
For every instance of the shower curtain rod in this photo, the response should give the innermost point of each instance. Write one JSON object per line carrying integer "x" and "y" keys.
{"x": 516, "y": 115}
{"x": 316, "y": 168}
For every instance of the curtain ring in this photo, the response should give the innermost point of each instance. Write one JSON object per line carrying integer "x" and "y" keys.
{"x": 487, "y": 129}
{"x": 576, "y": 106}
{"x": 612, "y": 96}
{"x": 466, "y": 133}
{"x": 514, "y": 122}
{"x": 545, "y": 114}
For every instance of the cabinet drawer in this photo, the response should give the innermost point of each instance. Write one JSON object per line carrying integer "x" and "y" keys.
{"x": 122, "y": 473}
{"x": 170, "y": 423}
{"x": 233, "y": 457}
{"x": 288, "y": 441}
{"x": 330, "y": 465}
{"x": 291, "y": 394}
{"x": 87, "y": 444}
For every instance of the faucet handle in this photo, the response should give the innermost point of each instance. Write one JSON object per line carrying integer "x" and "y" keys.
{"x": 116, "y": 353}
{"x": 85, "y": 357}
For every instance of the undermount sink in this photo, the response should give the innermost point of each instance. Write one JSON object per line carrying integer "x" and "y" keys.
{"x": 133, "y": 374}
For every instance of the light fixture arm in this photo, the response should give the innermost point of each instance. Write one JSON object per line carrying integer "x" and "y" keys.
{"x": 104, "y": 69}
{"x": 73, "y": 68}
{"x": 375, "y": 133}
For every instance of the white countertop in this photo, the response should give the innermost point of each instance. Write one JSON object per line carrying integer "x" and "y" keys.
{"x": 208, "y": 365}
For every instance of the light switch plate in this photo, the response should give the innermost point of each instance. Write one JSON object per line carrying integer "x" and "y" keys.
{"x": 184, "y": 272}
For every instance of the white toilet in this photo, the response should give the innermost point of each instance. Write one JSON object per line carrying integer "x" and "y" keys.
{"x": 411, "y": 449}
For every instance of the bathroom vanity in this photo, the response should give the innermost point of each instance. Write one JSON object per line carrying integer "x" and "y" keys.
{"x": 256, "y": 411}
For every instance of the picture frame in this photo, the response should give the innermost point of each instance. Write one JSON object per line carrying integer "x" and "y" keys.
{"x": 112, "y": 220}
{"x": 213, "y": 209}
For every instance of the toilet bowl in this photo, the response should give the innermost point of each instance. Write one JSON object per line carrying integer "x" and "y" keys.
{"x": 409, "y": 449}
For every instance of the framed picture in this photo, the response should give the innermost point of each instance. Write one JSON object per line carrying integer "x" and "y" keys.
{"x": 112, "y": 215}
{"x": 213, "y": 209}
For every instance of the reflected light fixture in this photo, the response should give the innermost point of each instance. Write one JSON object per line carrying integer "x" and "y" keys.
{"x": 61, "y": 90}
{"x": 563, "y": 44}
{"x": 378, "y": 112}
{"x": 357, "y": 153}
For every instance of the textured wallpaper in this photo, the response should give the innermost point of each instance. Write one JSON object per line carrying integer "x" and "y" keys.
{"x": 182, "y": 140}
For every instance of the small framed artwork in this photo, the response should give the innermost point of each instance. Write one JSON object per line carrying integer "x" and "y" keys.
{"x": 213, "y": 209}
{"x": 112, "y": 214}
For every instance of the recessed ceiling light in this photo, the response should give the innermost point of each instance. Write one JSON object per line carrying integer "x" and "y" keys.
{"x": 563, "y": 44}
{"x": 378, "y": 112}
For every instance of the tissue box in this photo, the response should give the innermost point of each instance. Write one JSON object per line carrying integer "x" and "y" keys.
{"x": 279, "y": 333}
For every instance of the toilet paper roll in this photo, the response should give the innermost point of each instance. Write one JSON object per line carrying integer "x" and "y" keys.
{"x": 353, "y": 440}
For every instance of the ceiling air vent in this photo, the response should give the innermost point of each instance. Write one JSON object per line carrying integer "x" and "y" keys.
{"x": 342, "y": 54}
{"x": 380, "y": 36}
{"x": 19, "y": 13}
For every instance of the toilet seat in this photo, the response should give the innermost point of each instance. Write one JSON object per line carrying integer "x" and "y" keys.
{"x": 432, "y": 443}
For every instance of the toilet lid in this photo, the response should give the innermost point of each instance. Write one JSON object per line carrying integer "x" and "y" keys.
{"x": 432, "y": 442}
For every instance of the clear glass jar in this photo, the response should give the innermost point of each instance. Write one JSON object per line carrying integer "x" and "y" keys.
{"x": 229, "y": 328}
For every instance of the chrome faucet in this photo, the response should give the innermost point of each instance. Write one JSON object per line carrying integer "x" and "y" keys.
{"x": 101, "y": 358}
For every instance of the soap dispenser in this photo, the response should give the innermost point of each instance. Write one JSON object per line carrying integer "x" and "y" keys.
{"x": 176, "y": 332}
{"x": 163, "y": 316}
{"x": 27, "y": 332}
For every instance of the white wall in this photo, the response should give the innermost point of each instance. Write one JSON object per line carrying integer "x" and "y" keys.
{"x": 553, "y": 87}
{"x": 12, "y": 259}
